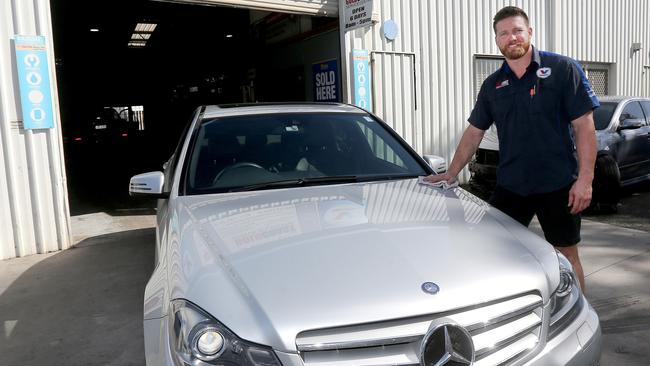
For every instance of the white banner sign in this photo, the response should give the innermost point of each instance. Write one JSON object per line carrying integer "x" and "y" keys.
{"x": 357, "y": 14}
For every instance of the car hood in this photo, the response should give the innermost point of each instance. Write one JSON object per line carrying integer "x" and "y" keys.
{"x": 271, "y": 264}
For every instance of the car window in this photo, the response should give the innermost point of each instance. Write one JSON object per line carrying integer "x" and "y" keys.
{"x": 603, "y": 114}
{"x": 379, "y": 147}
{"x": 646, "y": 108}
{"x": 235, "y": 152}
{"x": 632, "y": 110}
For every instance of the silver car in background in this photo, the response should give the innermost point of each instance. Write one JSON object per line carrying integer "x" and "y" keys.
{"x": 299, "y": 234}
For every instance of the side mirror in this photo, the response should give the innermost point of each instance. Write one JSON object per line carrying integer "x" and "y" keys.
{"x": 437, "y": 163}
{"x": 148, "y": 185}
{"x": 631, "y": 123}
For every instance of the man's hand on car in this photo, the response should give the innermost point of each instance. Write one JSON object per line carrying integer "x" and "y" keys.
{"x": 434, "y": 178}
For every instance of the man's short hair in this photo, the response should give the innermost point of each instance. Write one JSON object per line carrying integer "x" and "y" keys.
{"x": 507, "y": 12}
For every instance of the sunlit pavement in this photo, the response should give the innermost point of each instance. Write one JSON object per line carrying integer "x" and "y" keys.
{"x": 616, "y": 262}
{"x": 83, "y": 306}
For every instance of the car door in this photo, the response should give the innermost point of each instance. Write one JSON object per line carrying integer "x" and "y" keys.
{"x": 632, "y": 149}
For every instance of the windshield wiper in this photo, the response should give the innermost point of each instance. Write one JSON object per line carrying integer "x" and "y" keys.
{"x": 318, "y": 180}
{"x": 297, "y": 183}
{"x": 372, "y": 178}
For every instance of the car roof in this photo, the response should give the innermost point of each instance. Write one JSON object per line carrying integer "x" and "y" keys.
{"x": 618, "y": 98}
{"x": 214, "y": 111}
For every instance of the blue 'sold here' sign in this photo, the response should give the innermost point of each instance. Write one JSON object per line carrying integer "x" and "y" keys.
{"x": 326, "y": 81}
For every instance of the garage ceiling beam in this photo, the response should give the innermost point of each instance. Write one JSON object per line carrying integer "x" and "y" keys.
{"x": 328, "y": 8}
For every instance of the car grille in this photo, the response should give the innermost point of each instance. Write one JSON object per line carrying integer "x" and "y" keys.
{"x": 487, "y": 157}
{"x": 503, "y": 332}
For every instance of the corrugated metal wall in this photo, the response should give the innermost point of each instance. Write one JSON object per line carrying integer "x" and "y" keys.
{"x": 604, "y": 31}
{"x": 446, "y": 35}
{"x": 33, "y": 203}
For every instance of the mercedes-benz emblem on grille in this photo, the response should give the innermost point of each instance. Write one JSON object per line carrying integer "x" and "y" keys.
{"x": 430, "y": 288}
{"x": 447, "y": 343}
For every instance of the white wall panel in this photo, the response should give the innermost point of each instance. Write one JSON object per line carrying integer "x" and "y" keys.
{"x": 603, "y": 31}
{"x": 35, "y": 217}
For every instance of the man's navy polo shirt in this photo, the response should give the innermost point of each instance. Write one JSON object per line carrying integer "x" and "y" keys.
{"x": 533, "y": 118}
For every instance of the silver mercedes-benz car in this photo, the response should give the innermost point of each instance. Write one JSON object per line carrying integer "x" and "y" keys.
{"x": 299, "y": 234}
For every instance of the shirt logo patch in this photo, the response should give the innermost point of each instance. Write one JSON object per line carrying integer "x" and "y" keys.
{"x": 543, "y": 72}
{"x": 502, "y": 83}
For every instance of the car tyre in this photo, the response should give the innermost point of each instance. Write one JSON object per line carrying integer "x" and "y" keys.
{"x": 607, "y": 185}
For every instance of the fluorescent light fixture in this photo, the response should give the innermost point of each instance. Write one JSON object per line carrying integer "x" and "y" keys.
{"x": 228, "y": 35}
{"x": 94, "y": 29}
{"x": 143, "y": 36}
{"x": 137, "y": 44}
{"x": 145, "y": 27}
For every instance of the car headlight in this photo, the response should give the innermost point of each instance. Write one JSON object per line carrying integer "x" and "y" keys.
{"x": 197, "y": 339}
{"x": 567, "y": 299}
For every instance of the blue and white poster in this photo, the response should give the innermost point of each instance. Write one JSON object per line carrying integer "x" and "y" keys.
{"x": 326, "y": 81}
{"x": 361, "y": 82}
{"x": 34, "y": 82}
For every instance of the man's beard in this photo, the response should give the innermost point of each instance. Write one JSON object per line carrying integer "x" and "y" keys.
{"x": 515, "y": 53}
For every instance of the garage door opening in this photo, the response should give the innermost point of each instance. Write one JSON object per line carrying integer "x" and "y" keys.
{"x": 130, "y": 73}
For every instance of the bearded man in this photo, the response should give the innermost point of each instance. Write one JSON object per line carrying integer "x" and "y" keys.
{"x": 542, "y": 105}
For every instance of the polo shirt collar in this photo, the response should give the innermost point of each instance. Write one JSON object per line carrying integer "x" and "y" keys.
{"x": 536, "y": 59}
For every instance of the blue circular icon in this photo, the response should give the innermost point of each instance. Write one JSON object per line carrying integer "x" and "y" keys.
{"x": 390, "y": 29}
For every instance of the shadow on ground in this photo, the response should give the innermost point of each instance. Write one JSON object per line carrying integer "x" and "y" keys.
{"x": 82, "y": 306}
{"x": 633, "y": 210}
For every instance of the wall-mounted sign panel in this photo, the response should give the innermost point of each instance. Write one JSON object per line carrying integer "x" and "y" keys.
{"x": 326, "y": 81}
{"x": 34, "y": 82}
{"x": 361, "y": 82}
{"x": 357, "y": 14}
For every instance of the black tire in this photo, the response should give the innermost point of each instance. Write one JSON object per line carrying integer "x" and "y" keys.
{"x": 607, "y": 185}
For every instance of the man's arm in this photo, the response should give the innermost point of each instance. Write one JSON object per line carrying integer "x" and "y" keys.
{"x": 464, "y": 151}
{"x": 585, "y": 135}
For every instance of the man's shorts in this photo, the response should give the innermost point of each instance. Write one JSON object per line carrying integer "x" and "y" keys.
{"x": 561, "y": 228}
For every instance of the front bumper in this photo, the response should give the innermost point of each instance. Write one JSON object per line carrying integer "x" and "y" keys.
{"x": 577, "y": 345}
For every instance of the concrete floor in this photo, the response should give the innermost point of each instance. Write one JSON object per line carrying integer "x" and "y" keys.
{"x": 83, "y": 306}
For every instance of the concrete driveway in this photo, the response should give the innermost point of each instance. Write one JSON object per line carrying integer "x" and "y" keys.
{"x": 616, "y": 262}
{"x": 83, "y": 306}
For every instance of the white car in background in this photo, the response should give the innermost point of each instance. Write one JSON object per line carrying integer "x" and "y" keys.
{"x": 298, "y": 234}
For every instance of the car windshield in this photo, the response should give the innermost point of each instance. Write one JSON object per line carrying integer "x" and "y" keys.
{"x": 603, "y": 114}
{"x": 294, "y": 149}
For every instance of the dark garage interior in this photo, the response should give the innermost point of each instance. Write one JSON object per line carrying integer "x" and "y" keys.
{"x": 125, "y": 94}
